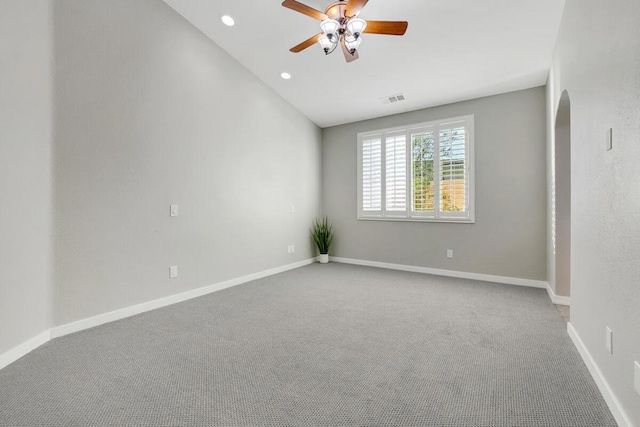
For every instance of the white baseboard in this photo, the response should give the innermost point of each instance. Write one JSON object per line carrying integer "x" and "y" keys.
{"x": 558, "y": 299}
{"x": 449, "y": 273}
{"x": 172, "y": 299}
{"x": 614, "y": 404}
{"x": 23, "y": 349}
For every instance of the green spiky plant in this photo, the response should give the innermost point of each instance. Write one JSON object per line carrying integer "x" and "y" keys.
{"x": 322, "y": 233}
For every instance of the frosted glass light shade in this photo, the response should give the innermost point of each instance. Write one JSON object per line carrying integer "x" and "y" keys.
{"x": 325, "y": 43}
{"x": 352, "y": 43}
{"x": 356, "y": 26}
{"x": 329, "y": 27}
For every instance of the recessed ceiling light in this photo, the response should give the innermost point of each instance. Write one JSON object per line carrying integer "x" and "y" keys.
{"x": 228, "y": 21}
{"x": 285, "y": 75}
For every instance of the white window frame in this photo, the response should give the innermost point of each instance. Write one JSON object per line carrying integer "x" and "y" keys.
{"x": 436, "y": 216}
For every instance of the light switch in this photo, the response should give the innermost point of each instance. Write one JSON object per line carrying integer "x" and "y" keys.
{"x": 174, "y": 210}
{"x": 609, "y": 340}
{"x": 609, "y": 139}
{"x": 173, "y": 272}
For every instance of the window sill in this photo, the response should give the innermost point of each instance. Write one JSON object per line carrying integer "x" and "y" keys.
{"x": 445, "y": 220}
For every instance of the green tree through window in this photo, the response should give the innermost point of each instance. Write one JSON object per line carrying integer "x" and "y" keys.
{"x": 422, "y": 146}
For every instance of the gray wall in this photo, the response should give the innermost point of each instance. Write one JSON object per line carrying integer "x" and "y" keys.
{"x": 508, "y": 237}
{"x": 563, "y": 199}
{"x": 150, "y": 113}
{"x": 597, "y": 60}
{"x": 25, "y": 171}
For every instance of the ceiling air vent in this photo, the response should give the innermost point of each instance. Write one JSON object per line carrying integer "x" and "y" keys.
{"x": 392, "y": 99}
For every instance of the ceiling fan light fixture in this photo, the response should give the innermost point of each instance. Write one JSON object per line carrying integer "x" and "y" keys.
{"x": 329, "y": 27}
{"x": 352, "y": 43}
{"x": 356, "y": 26}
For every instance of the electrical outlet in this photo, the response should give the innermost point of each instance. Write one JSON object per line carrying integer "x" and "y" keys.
{"x": 609, "y": 341}
{"x": 449, "y": 253}
{"x": 173, "y": 210}
{"x": 609, "y": 139}
{"x": 173, "y": 272}
{"x": 291, "y": 249}
{"x": 636, "y": 376}
{"x": 293, "y": 209}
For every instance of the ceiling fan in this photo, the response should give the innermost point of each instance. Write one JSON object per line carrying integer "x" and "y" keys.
{"x": 341, "y": 26}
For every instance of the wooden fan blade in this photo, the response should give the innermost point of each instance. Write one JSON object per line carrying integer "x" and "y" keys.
{"x": 347, "y": 54}
{"x": 304, "y": 9}
{"x": 305, "y": 44}
{"x": 390, "y": 28}
{"x": 354, "y": 7}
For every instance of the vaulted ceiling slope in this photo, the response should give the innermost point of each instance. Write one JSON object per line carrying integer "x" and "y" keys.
{"x": 452, "y": 51}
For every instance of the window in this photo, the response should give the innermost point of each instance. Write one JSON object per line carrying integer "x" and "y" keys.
{"x": 422, "y": 172}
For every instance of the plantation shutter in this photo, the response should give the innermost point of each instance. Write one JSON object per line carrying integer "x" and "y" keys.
{"x": 396, "y": 173}
{"x": 422, "y": 172}
{"x": 372, "y": 174}
{"x": 453, "y": 168}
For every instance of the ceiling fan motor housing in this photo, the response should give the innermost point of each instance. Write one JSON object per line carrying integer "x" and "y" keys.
{"x": 337, "y": 11}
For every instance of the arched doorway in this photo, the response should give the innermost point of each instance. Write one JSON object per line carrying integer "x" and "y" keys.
{"x": 563, "y": 197}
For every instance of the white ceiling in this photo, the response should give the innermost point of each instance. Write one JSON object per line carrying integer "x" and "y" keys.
{"x": 453, "y": 50}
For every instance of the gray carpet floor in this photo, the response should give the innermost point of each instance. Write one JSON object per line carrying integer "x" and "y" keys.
{"x": 323, "y": 345}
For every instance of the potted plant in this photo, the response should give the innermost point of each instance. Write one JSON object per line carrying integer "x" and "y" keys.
{"x": 322, "y": 233}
